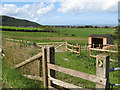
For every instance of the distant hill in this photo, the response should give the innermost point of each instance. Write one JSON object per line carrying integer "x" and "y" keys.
{"x": 10, "y": 21}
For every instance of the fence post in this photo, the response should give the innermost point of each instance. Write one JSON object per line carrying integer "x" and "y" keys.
{"x": 66, "y": 46}
{"x": 93, "y": 45}
{"x": 51, "y": 60}
{"x": 102, "y": 70}
{"x": 77, "y": 47}
{"x": 44, "y": 63}
{"x": 26, "y": 43}
{"x": 99, "y": 46}
{"x": 72, "y": 47}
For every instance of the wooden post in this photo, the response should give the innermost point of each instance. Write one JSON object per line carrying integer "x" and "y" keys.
{"x": 44, "y": 59}
{"x": 93, "y": 45}
{"x": 99, "y": 46}
{"x": 102, "y": 70}
{"x": 79, "y": 50}
{"x": 34, "y": 44}
{"x": 26, "y": 43}
{"x": 66, "y": 46}
{"x": 40, "y": 67}
{"x": 72, "y": 47}
{"x": 51, "y": 60}
{"x": 77, "y": 47}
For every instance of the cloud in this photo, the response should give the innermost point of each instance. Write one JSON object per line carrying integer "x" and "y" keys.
{"x": 45, "y": 10}
{"x": 29, "y": 10}
{"x": 77, "y": 6}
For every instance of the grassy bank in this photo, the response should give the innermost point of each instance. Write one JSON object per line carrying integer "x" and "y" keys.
{"x": 14, "y": 54}
{"x": 12, "y": 78}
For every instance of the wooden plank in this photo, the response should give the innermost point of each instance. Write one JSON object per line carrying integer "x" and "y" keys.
{"x": 110, "y": 59}
{"x": 72, "y": 50}
{"x": 50, "y": 42}
{"x": 45, "y": 71}
{"x": 69, "y": 44}
{"x": 33, "y": 77}
{"x": 50, "y": 59}
{"x": 64, "y": 84}
{"x": 59, "y": 46}
{"x": 28, "y": 60}
{"x": 78, "y": 74}
{"x": 93, "y": 56}
{"x": 72, "y": 45}
{"x": 103, "y": 50}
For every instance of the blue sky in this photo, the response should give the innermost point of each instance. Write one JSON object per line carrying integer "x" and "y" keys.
{"x": 67, "y": 12}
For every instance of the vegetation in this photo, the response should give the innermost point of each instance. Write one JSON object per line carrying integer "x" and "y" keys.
{"x": 81, "y": 63}
{"x": 12, "y": 78}
{"x": 10, "y": 21}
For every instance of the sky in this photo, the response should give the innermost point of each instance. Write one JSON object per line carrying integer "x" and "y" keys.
{"x": 63, "y": 12}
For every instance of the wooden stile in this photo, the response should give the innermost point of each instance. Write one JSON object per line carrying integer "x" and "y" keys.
{"x": 78, "y": 74}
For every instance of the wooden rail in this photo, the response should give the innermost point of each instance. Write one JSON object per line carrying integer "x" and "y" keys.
{"x": 48, "y": 65}
{"x": 64, "y": 84}
{"x": 110, "y": 59}
{"x": 78, "y": 74}
{"x": 59, "y": 45}
{"x": 72, "y": 50}
{"x": 78, "y": 48}
{"x": 28, "y": 60}
{"x": 33, "y": 77}
{"x": 103, "y": 50}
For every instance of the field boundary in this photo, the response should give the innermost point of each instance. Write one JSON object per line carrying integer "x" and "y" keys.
{"x": 49, "y": 68}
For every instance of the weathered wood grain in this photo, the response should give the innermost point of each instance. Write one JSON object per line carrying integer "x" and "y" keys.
{"x": 73, "y": 50}
{"x": 28, "y": 60}
{"x": 33, "y": 77}
{"x": 64, "y": 84}
{"x": 103, "y": 50}
{"x": 78, "y": 74}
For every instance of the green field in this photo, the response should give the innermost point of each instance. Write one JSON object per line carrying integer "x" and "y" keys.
{"x": 61, "y": 35}
{"x": 76, "y": 62}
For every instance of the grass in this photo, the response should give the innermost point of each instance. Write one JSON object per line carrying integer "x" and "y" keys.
{"x": 12, "y": 78}
{"x": 81, "y": 63}
{"x": 80, "y": 33}
{"x": 84, "y": 32}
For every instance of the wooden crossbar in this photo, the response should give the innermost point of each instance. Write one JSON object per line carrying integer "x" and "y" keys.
{"x": 103, "y": 50}
{"x": 78, "y": 74}
{"x": 28, "y": 60}
{"x": 33, "y": 77}
{"x": 72, "y": 50}
{"x": 64, "y": 84}
{"x": 72, "y": 45}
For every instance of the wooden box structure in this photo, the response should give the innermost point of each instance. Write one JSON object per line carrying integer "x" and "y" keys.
{"x": 100, "y": 39}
